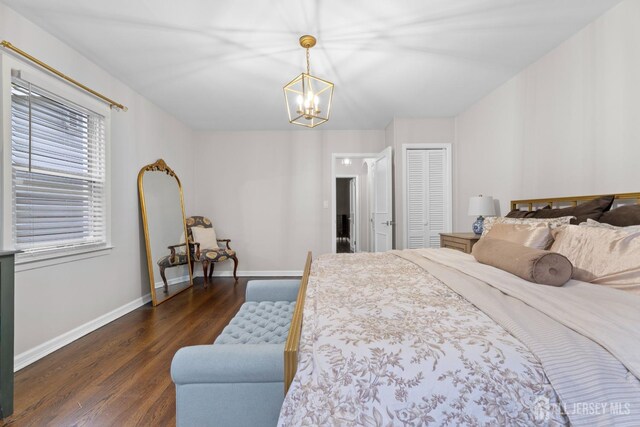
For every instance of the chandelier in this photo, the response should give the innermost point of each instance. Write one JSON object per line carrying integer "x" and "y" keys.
{"x": 308, "y": 97}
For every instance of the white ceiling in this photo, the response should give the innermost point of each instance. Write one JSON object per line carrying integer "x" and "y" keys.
{"x": 222, "y": 64}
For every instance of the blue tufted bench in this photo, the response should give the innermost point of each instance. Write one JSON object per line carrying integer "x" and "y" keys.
{"x": 264, "y": 322}
{"x": 239, "y": 380}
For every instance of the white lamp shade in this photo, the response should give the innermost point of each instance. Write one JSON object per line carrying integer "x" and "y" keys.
{"x": 481, "y": 206}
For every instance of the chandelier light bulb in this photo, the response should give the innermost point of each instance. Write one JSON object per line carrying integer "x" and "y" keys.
{"x": 299, "y": 101}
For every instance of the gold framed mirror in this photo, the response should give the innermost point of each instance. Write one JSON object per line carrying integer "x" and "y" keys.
{"x": 165, "y": 232}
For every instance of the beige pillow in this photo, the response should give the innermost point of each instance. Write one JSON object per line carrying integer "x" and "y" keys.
{"x": 205, "y": 236}
{"x": 533, "y": 235}
{"x": 552, "y": 222}
{"x": 534, "y": 265}
{"x": 602, "y": 256}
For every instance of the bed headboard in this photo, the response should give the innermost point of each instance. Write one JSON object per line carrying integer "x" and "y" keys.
{"x": 558, "y": 202}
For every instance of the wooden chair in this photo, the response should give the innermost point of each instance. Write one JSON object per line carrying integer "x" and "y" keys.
{"x": 174, "y": 259}
{"x": 208, "y": 257}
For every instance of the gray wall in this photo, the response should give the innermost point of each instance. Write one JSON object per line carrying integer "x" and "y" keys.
{"x": 566, "y": 125}
{"x": 267, "y": 191}
{"x": 55, "y": 300}
{"x": 414, "y": 131}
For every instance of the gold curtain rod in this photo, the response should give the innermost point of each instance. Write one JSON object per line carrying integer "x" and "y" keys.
{"x": 111, "y": 102}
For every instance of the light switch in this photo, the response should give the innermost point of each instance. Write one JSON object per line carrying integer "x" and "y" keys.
{"x": 325, "y": 204}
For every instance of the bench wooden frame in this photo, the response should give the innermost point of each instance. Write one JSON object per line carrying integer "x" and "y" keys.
{"x": 292, "y": 344}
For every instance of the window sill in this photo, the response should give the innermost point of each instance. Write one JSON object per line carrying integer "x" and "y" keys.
{"x": 26, "y": 262}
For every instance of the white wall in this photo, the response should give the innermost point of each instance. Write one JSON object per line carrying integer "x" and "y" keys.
{"x": 54, "y": 300}
{"x": 265, "y": 191}
{"x": 569, "y": 124}
{"x": 413, "y": 131}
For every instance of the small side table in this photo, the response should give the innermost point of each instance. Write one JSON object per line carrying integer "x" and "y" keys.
{"x": 460, "y": 241}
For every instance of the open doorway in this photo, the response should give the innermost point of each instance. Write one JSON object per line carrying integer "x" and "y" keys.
{"x": 364, "y": 222}
{"x": 347, "y": 213}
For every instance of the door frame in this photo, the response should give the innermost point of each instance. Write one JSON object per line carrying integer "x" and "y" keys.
{"x": 449, "y": 182}
{"x": 356, "y": 208}
{"x": 332, "y": 211}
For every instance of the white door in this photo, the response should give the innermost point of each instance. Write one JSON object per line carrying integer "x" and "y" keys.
{"x": 382, "y": 202}
{"x": 427, "y": 196}
{"x": 353, "y": 216}
{"x": 370, "y": 200}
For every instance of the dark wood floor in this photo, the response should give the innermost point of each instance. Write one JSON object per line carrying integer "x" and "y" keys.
{"x": 119, "y": 374}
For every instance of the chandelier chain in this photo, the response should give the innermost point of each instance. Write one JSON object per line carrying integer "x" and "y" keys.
{"x": 308, "y": 67}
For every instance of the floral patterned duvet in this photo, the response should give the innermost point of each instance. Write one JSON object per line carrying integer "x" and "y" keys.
{"x": 385, "y": 343}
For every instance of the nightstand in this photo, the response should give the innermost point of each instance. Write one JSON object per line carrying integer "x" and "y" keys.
{"x": 460, "y": 241}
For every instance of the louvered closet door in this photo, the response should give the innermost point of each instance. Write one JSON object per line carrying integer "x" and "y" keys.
{"x": 426, "y": 197}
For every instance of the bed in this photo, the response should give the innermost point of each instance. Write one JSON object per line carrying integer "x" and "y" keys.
{"x": 432, "y": 337}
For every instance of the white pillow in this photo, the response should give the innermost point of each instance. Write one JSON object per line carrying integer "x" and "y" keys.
{"x": 181, "y": 250}
{"x": 592, "y": 223}
{"x": 205, "y": 236}
{"x": 602, "y": 256}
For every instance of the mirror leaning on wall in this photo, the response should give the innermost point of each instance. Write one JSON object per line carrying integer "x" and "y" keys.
{"x": 163, "y": 219}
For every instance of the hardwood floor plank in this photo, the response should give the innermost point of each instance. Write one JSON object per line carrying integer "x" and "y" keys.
{"x": 120, "y": 374}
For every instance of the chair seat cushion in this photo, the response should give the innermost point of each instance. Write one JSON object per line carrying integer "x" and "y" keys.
{"x": 179, "y": 259}
{"x": 216, "y": 255}
{"x": 265, "y": 322}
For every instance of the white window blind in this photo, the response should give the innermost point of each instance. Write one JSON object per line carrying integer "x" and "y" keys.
{"x": 58, "y": 170}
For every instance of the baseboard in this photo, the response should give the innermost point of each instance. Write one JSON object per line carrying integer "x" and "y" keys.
{"x": 224, "y": 273}
{"x": 40, "y": 351}
{"x": 173, "y": 281}
{"x": 28, "y": 357}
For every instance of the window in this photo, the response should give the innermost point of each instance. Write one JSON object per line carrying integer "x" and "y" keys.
{"x": 58, "y": 172}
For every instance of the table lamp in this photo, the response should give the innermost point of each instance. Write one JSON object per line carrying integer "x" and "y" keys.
{"x": 481, "y": 206}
